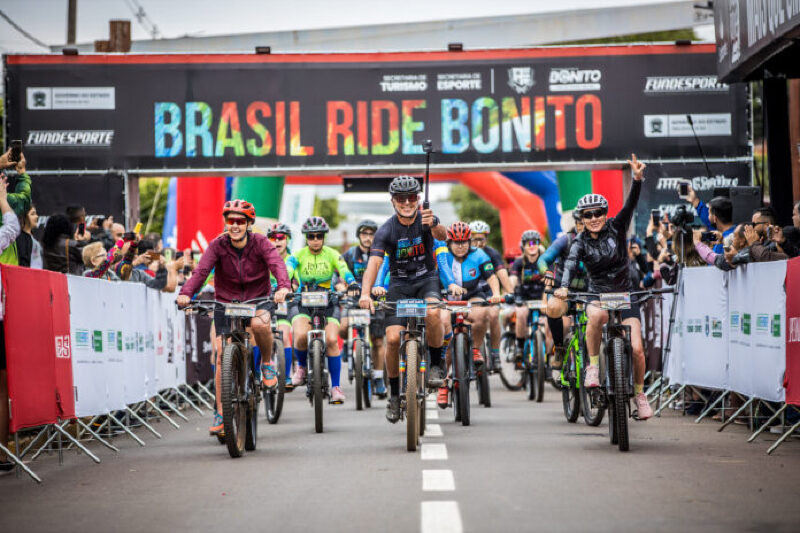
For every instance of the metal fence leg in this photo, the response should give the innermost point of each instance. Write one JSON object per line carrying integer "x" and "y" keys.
{"x": 162, "y": 413}
{"x": 80, "y": 446}
{"x": 100, "y": 439}
{"x": 783, "y": 438}
{"x": 130, "y": 433}
{"x": 172, "y": 407}
{"x": 199, "y": 398}
{"x": 31, "y": 443}
{"x": 737, "y": 413}
{"x": 205, "y": 390}
{"x": 712, "y": 406}
{"x": 46, "y": 443}
{"x": 768, "y": 422}
{"x": 144, "y": 423}
{"x": 20, "y": 464}
{"x": 653, "y": 387}
{"x": 670, "y": 400}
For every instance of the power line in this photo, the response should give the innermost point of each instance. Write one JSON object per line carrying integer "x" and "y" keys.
{"x": 143, "y": 18}
{"x": 23, "y": 32}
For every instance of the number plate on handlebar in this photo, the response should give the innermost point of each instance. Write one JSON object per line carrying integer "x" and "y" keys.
{"x": 412, "y": 308}
{"x": 314, "y": 299}
{"x": 459, "y": 308}
{"x": 282, "y": 309}
{"x": 240, "y": 310}
{"x": 614, "y": 301}
{"x": 358, "y": 317}
{"x": 536, "y": 304}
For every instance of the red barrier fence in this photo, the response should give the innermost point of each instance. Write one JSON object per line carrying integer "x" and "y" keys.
{"x": 792, "y": 376}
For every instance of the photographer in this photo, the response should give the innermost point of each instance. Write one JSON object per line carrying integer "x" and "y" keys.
{"x": 717, "y": 215}
{"x": 19, "y": 200}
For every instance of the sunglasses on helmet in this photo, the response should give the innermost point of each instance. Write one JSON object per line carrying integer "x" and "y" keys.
{"x": 595, "y": 213}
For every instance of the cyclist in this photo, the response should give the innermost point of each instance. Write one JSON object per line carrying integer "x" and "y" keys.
{"x": 551, "y": 264}
{"x": 461, "y": 271}
{"x": 407, "y": 237}
{"x": 528, "y": 283}
{"x": 602, "y": 247}
{"x": 280, "y": 234}
{"x": 242, "y": 262}
{"x": 314, "y": 265}
{"x": 357, "y": 258}
{"x": 480, "y": 231}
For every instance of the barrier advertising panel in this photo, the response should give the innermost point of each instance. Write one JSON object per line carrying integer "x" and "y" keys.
{"x": 792, "y": 381}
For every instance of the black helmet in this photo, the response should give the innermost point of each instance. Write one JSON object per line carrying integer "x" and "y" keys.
{"x": 366, "y": 224}
{"x": 315, "y": 225}
{"x": 576, "y": 215}
{"x": 404, "y": 185}
{"x": 279, "y": 227}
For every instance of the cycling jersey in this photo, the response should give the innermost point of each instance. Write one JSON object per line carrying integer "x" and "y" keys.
{"x": 531, "y": 283}
{"x": 410, "y": 248}
{"x": 556, "y": 255}
{"x": 605, "y": 257}
{"x": 497, "y": 259}
{"x": 317, "y": 269}
{"x": 469, "y": 273}
{"x": 357, "y": 260}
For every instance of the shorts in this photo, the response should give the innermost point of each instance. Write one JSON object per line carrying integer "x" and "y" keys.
{"x": 420, "y": 289}
{"x": 333, "y": 313}
{"x": 2, "y": 347}
{"x": 625, "y": 314}
{"x": 377, "y": 324}
{"x": 222, "y": 324}
{"x": 286, "y": 320}
{"x": 482, "y": 292}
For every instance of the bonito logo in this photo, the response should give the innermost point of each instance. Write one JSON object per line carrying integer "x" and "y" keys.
{"x": 683, "y": 84}
{"x": 574, "y": 79}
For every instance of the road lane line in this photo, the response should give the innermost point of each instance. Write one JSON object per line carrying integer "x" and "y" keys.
{"x": 433, "y": 430}
{"x": 440, "y": 517}
{"x": 432, "y": 415}
{"x": 438, "y": 481}
{"x": 434, "y": 452}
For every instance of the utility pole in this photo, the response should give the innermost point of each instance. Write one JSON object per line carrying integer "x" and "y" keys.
{"x": 72, "y": 16}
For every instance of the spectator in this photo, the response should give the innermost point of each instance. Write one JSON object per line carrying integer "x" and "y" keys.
{"x": 29, "y": 250}
{"x": 62, "y": 253}
{"x": 76, "y": 214}
{"x": 97, "y": 262}
{"x": 19, "y": 200}
{"x": 760, "y": 249}
{"x": 718, "y": 215}
{"x": 158, "y": 242}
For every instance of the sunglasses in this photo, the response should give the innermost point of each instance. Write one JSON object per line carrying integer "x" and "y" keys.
{"x": 479, "y": 239}
{"x": 460, "y": 242}
{"x": 532, "y": 243}
{"x": 406, "y": 198}
{"x": 236, "y": 221}
{"x": 278, "y": 237}
{"x": 597, "y": 213}
{"x": 315, "y": 237}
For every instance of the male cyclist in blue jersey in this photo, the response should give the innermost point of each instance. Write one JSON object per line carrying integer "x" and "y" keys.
{"x": 461, "y": 270}
{"x": 603, "y": 249}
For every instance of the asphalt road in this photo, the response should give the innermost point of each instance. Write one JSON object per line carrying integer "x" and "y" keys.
{"x": 518, "y": 467}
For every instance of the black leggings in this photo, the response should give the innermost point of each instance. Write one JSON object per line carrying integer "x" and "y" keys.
{"x": 556, "y": 326}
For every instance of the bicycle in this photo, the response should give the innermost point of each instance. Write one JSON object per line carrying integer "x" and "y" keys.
{"x": 240, "y": 382}
{"x": 616, "y": 383}
{"x": 360, "y": 361}
{"x": 574, "y": 396}
{"x": 273, "y": 396}
{"x": 534, "y": 358}
{"x": 512, "y": 370}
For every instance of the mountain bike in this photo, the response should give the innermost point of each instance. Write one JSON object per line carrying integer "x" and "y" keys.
{"x": 241, "y": 383}
{"x": 616, "y": 385}
{"x": 360, "y": 352}
{"x": 512, "y": 369}
{"x": 572, "y": 372}
{"x": 534, "y": 358}
{"x": 273, "y": 396}
{"x": 462, "y": 370}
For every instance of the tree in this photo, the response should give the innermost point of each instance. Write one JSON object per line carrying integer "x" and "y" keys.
{"x": 328, "y": 208}
{"x": 153, "y": 190}
{"x": 469, "y": 207}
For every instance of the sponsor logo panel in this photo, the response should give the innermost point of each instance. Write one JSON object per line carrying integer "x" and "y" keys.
{"x": 404, "y": 83}
{"x": 574, "y": 79}
{"x": 70, "y": 98}
{"x": 684, "y": 84}
{"x": 459, "y": 81}
{"x": 705, "y": 125}
{"x": 63, "y": 350}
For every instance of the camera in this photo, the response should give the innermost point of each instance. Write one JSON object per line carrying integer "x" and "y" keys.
{"x": 682, "y": 218}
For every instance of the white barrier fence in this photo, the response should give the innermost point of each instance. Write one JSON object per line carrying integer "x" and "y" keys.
{"x": 729, "y": 330}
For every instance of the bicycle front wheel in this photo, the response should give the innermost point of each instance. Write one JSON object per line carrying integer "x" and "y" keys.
{"x": 317, "y": 354}
{"x": 620, "y": 393}
{"x": 461, "y": 374}
{"x": 482, "y": 381}
{"x": 273, "y": 398}
{"x": 234, "y": 412}
{"x": 540, "y": 365}
{"x": 512, "y": 372}
{"x": 358, "y": 369}
{"x": 412, "y": 405}
{"x": 570, "y": 395}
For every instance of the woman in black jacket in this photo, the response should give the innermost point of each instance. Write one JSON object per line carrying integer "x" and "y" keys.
{"x": 62, "y": 253}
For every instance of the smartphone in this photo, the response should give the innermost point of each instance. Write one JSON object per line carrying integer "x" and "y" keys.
{"x": 81, "y": 228}
{"x": 169, "y": 254}
{"x": 16, "y": 151}
{"x": 708, "y": 236}
{"x": 683, "y": 189}
{"x": 129, "y": 236}
{"x": 655, "y": 214}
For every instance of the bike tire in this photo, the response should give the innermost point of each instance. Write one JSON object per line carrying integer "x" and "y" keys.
{"x": 620, "y": 393}
{"x": 358, "y": 370}
{"x": 367, "y": 367}
{"x": 273, "y": 399}
{"x": 592, "y": 414}
{"x": 528, "y": 357}
{"x": 513, "y": 378}
{"x": 234, "y": 415}
{"x": 541, "y": 365}
{"x": 316, "y": 383}
{"x": 570, "y": 395}
{"x": 462, "y": 373}
{"x": 484, "y": 394}
{"x": 412, "y": 404}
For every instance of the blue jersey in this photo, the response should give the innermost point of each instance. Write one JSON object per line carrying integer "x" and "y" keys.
{"x": 469, "y": 273}
{"x": 357, "y": 261}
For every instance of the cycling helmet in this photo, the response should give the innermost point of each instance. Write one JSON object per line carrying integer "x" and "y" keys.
{"x": 366, "y": 224}
{"x": 459, "y": 232}
{"x": 404, "y": 185}
{"x": 591, "y": 201}
{"x": 279, "y": 227}
{"x": 479, "y": 226}
{"x": 240, "y": 207}
{"x": 576, "y": 215}
{"x": 529, "y": 235}
{"x": 315, "y": 225}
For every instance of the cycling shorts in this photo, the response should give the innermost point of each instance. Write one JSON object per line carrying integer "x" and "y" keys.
{"x": 420, "y": 289}
{"x": 332, "y": 313}
{"x": 625, "y": 314}
{"x": 286, "y": 319}
{"x": 377, "y": 324}
{"x": 223, "y": 323}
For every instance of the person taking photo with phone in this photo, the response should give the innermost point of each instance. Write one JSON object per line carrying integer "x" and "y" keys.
{"x": 19, "y": 200}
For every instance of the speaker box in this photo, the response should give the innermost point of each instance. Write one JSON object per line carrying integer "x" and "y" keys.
{"x": 745, "y": 200}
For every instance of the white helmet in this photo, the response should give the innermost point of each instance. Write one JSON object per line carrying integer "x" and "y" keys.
{"x": 479, "y": 226}
{"x": 591, "y": 201}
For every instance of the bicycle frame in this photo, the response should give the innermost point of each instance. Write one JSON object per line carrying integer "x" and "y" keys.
{"x": 317, "y": 334}
{"x": 577, "y": 344}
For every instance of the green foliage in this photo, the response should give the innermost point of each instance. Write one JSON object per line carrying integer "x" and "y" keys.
{"x": 650, "y": 37}
{"x": 328, "y": 208}
{"x": 469, "y": 206}
{"x": 149, "y": 189}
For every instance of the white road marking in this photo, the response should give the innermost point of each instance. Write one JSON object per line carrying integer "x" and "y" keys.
{"x": 438, "y": 481}
{"x": 433, "y": 414}
{"x": 433, "y": 430}
{"x": 434, "y": 452}
{"x": 431, "y": 404}
{"x": 440, "y": 517}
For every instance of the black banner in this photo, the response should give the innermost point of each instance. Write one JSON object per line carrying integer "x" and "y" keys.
{"x": 100, "y": 195}
{"x": 198, "y": 349}
{"x": 499, "y": 109}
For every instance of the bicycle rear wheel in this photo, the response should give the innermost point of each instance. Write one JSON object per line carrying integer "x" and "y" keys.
{"x": 570, "y": 395}
{"x": 273, "y": 398}
{"x": 482, "y": 381}
{"x": 620, "y": 394}
{"x": 366, "y": 371}
{"x": 529, "y": 357}
{"x": 540, "y": 365}
{"x": 317, "y": 376}
{"x": 512, "y": 373}
{"x": 358, "y": 369}
{"x": 234, "y": 412}
{"x": 461, "y": 374}
{"x": 412, "y": 405}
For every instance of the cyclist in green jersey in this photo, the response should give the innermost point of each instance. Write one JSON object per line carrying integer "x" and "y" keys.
{"x": 315, "y": 265}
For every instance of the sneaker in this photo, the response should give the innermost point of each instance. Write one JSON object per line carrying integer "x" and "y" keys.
{"x": 592, "y": 378}
{"x": 436, "y": 376}
{"x": 393, "y": 409}
{"x": 495, "y": 361}
{"x": 441, "y": 397}
{"x": 556, "y": 373}
{"x": 477, "y": 358}
{"x": 337, "y": 396}
{"x": 380, "y": 388}
{"x": 217, "y": 428}
{"x": 299, "y": 377}
{"x": 518, "y": 360}
{"x": 289, "y": 387}
{"x": 269, "y": 377}
{"x": 644, "y": 411}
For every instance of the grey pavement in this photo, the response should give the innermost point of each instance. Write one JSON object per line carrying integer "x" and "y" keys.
{"x": 519, "y": 467}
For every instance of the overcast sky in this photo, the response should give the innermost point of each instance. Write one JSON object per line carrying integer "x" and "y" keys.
{"x": 46, "y": 19}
